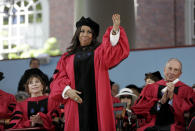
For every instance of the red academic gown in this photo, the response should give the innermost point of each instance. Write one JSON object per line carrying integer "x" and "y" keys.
{"x": 7, "y": 106}
{"x": 182, "y": 102}
{"x": 31, "y": 106}
{"x": 191, "y": 126}
{"x": 105, "y": 57}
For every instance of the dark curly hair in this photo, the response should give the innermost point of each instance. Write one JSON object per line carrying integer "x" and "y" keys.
{"x": 75, "y": 43}
{"x": 156, "y": 76}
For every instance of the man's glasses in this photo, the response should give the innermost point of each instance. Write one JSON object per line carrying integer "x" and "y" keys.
{"x": 125, "y": 96}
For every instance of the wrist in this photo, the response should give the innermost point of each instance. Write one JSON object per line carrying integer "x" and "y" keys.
{"x": 64, "y": 93}
{"x": 115, "y": 28}
{"x": 114, "y": 32}
{"x": 171, "y": 96}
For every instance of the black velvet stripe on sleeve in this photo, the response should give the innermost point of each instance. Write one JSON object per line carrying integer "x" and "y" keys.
{"x": 11, "y": 125}
{"x": 153, "y": 110}
{"x": 176, "y": 89}
{"x": 16, "y": 118}
{"x": 10, "y": 108}
{"x": 139, "y": 99}
{"x": 16, "y": 112}
{"x": 55, "y": 112}
{"x": 12, "y": 104}
{"x": 191, "y": 100}
{"x": 159, "y": 90}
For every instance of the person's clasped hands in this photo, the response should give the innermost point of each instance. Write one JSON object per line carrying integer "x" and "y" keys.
{"x": 36, "y": 119}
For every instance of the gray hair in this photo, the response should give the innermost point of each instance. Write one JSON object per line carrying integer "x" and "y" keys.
{"x": 174, "y": 59}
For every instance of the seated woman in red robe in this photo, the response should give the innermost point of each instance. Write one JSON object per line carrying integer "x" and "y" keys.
{"x": 7, "y": 106}
{"x": 37, "y": 110}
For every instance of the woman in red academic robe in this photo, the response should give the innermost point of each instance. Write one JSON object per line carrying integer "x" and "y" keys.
{"x": 7, "y": 106}
{"x": 81, "y": 79}
{"x": 37, "y": 110}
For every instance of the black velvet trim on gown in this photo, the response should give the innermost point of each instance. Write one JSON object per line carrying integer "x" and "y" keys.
{"x": 164, "y": 116}
{"x": 85, "y": 83}
{"x": 34, "y": 107}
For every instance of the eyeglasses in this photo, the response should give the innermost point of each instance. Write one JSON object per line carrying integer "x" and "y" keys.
{"x": 125, "y": 96}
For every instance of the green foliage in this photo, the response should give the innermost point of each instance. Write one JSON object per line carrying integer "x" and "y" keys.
{"x": 13, "y": 56}
{"x": 51, "y": 47}
{"x": 38, "y": 17}
{"x": 38, "y": 7}
{"x": 25, "y": 51}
